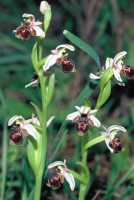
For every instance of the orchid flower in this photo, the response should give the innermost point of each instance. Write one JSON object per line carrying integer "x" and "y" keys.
{"x": 113, "y": 143}
{"x": 25, "y": 125}
{"x": 57, "y": 56}
{"x": 63, "y": 173}
{"x": 116, "y": 63}
{"x": 83, "y": 118}
{"x": 29, "y": 27}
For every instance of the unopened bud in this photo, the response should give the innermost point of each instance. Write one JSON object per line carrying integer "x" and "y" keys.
{"x": 43, "y": 6}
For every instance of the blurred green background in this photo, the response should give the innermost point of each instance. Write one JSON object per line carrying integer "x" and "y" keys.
{"x": 108, "y": 26}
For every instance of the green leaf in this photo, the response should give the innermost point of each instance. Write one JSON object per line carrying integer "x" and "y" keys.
{"x": 34, "y": 56}
{"x": 78, "y": 176}
{"x": 47, "y": 18}
{"x": 50, "y": 88}
{"x": 85, "y": 172}
{"x": 87, "y": 102}
{"x": 107, "y": 75}
{"x": 34, "y": 153}
{"x": 94, "y": 141}
{"x": 31, "y": 149}
{"x": 38, "y": 111}
{"x": 83, "y": 45}
{"x": 41, "y": 62}
{"x": 104, "y": 95}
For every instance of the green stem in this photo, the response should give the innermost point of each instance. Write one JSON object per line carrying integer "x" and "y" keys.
{"x": 43, "y": 141}
{"x": 83, "y": 187}
{"x": 37, "y": 190}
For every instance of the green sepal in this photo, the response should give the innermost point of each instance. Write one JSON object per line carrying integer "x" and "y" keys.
{"x": 50, "y": 88}
{"x": 104, "y": 95}
{"x": 107, "y": 75}
{"x": 38, "y": 111}
{"x": 77, "y": 176}
{"x": 34, "y": 56}
{"x": 87, "y": 102}
{"x": 83, "y": 45}
{"x": 47, "y": 17}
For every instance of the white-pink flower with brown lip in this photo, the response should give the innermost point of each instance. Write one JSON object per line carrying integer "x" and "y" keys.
{"x": 116, "y": 64}
{"x": 57, "y": 55}
{"x": 113, "y": 144}
{"x": 83, "y": 118}
{"x": 25, "y": 125}
{"x": 28, "y": 28}
{"x": 63, "y": 172}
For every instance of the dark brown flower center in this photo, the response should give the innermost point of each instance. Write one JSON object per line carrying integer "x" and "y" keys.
{"x": 116, "y": 145}
{"x": 54, "y": 181}
{"x": 16, "y": 135}
{"x": 82, "y": 125}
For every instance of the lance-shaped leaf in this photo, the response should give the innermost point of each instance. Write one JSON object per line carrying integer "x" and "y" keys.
{"x": 107, "y": 75}
{"x": 83, "y": 45}
{"x": 104, "y": 95}
{"x": 50, "y": 89}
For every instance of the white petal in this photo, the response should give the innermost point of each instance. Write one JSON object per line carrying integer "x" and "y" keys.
{"x": 39, "y": 31}
{"x": 35, "y": 120}
{"x": 70, "y": 179}
{"x": 95, "y": 121}
{"x": 57, "y": 163}
{"x": 31, "y": 130}
{"x": 117, "y": 75}
{"x": 92, "y": 111}
{"x": 117, "y": 128}
{"x": 14, "y": 118}
{"x": 93, "y": 76}
{"x": 50, "y": 120}
{"x": 119, "y": 56}
{"x": 109, "y": 63}
{"x": 32, "y": 84}
{"x": 83, "y": 109}
{"x": 66, "y": 46}
{"x": 107, "y": 140}
{"x": 73, "y": 115}
{"x": 50, "y": 61}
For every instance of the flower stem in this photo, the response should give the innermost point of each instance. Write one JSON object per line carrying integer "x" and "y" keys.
{"x": 43, "y": 142}
{"x": 37, "y": 191}
{"x": 83, "y": 187}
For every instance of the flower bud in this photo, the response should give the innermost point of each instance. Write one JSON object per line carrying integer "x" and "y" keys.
{"x": 82, "y": 125}
{"x": 16, "y": 136}
{"x": 116, "y": 145}
{"x": 54, "y": 181}
{"x": 43, "y": 6}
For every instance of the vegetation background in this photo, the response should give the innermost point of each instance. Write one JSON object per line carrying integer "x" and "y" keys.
{"x": 108, "y": 26}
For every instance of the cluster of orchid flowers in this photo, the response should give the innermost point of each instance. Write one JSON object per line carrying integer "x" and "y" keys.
{"x": 84, "y": 117}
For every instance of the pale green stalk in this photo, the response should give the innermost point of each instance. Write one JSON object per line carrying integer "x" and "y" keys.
{"x": 83, "y": 187}
{"x": 43, "y": 141}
